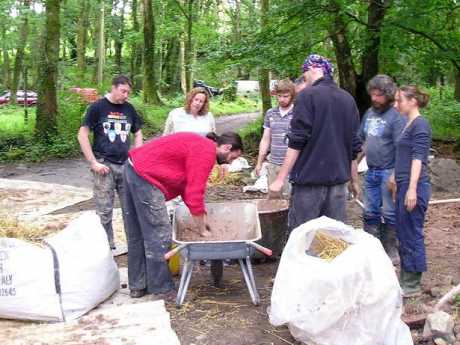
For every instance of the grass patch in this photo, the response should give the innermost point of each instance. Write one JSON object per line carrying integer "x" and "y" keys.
{"x": 17, "y": 141}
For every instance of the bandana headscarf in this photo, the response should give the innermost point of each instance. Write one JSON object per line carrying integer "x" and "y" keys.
{"x": 318, "y": 61}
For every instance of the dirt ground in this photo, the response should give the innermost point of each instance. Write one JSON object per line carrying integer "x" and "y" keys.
{"x": 226, "y": 315}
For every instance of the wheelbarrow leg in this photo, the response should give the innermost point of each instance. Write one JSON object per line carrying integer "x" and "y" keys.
{"x": 248, "y": 278}
{"x": 253, "y": 281}
{"x": 217, "y": 268}
{"x": 184, "y": 282}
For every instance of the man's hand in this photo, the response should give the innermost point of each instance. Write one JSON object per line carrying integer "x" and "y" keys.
{"x": 258, "y": 169}
{"x": 202, "y": 226}
{"x": 99, "y": 168}
{"x": 391, "y": 184}
{"x": 276, "y": 186}
{"x": 355, "y": 189}
{"x": 411, "y": 199}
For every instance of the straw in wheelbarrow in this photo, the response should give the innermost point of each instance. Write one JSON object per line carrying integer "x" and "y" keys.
{"x": 326, "y": 246}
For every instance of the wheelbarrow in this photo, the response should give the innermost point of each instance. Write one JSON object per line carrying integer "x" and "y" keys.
{"x": 241, "y": 222}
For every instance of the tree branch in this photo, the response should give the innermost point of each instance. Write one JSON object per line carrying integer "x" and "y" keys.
{"x": 182, "y": 9}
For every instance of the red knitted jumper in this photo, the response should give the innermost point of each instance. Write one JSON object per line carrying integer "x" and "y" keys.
{"x": 177, "y": 164}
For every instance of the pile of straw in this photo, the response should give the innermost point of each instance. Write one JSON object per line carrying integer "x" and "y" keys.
{"x": 326, "y": 246}
{"x": 215, "y": 177}
{"x": 11, "y": 228}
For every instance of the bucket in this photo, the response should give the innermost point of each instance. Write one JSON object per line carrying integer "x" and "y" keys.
{"x": 174, "y": 262}
{"x": 273, "y": 218}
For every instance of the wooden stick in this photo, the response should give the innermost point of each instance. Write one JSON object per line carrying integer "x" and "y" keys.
{"x": 447, "y": 297}
{"x": 443, "y": 201}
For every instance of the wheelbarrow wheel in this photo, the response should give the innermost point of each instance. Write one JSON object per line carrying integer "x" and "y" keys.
{"x": 217, "y": 269}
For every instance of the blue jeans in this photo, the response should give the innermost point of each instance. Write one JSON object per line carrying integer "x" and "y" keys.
{"x": 377, "y": 198}
{"x": 409, "y": 227}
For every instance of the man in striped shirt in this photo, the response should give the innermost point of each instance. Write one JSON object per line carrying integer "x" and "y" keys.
{"x": 274, "y": 140}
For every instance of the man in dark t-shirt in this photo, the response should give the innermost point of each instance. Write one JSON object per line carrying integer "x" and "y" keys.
{"x": 111, "y": 119}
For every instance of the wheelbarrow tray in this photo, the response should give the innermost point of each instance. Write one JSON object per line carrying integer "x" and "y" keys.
{"x": 242, "y": 220}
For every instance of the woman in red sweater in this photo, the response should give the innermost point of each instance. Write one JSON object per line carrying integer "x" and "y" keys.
{"x": 162, "y": 169}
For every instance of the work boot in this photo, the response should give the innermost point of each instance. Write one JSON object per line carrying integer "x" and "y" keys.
{"x": 109, "y": 231}
{"x": 390, "y": 242}
{"x": 411, "y": 283}
{"x": 372, "y": 229}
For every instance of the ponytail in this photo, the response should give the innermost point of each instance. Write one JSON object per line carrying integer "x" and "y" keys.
{"x": 413, "y": 92}
{"x": 227, "y": 138}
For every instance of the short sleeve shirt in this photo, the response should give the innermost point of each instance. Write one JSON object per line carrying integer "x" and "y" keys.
{"x": 111, "y": 124}
{"x": 279, "y": 126}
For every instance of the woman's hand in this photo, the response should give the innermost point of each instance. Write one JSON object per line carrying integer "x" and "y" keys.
{"x": 411, "y": 199}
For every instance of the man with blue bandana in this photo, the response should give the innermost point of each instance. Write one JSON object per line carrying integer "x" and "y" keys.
{"x": 322, "y": 149}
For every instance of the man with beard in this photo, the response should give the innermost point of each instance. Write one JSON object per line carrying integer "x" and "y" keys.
{"x": 379, "y": 131}
{"x": 162, "y": 169}
{"x": 322, "y": 147}
{"x": 276, "y": 127}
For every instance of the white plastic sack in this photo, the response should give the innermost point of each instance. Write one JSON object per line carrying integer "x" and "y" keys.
{"x": 238, "y": 165}
{"x": 261, "y": 184}
{"x": 36, "y": 286}
{"x": 353, "y": 300}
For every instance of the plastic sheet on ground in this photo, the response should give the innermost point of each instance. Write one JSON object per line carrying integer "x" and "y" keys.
{"x": 355, "y": 299}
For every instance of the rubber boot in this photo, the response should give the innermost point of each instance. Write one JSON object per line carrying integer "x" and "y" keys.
{"x": 109, "y": 231}
{"x": 390, "y": 242}
{"x": 411, "y": 283}
{"x": 372, "y": 229}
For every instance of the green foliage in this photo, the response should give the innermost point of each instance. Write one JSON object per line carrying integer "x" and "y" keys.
{"x": 457, "y": 300}
{"x": 443, "y": 112}
{"x": 251, "y": 135}
{"x": 17, "y": 141}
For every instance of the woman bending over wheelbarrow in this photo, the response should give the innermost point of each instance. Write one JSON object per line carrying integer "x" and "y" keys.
{"x": 162, "y": 169}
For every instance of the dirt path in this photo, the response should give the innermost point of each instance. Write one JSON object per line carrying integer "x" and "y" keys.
{"x": 75, "y": 172}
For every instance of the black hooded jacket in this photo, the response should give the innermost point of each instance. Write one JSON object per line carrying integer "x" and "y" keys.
{"x": 324, "y": 129}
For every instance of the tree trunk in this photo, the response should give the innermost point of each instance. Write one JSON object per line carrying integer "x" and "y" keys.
{"x": 457, "y": 85}
{"x": 19, "y": 59}
{"x": 172, "y": 68}
{"x": 73, "y": 48}
{"x": 47, "y": 107}
{"x": 188, "y": 49}
{"x": 370, "y": 58}
{"x": 264, "y": 74}
{"x": 343, "y": 54}
{"x": 101, "y": 45}
{"x": 82, "y": 39}
{"x": 6, "y": 74}
{"x": 149, "y": 80}
{"x": 119, "y": 39}
{"x": 136, "y": 50}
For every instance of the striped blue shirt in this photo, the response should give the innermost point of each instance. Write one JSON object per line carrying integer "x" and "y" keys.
{"x": 279, "y": 126}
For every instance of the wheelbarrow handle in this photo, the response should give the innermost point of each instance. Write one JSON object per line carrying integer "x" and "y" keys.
{"x": 261, "y": 249}
{"x": 173, "y": 251}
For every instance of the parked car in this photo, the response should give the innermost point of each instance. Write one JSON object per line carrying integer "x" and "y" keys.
{"x": 212, "y": 91}
{"x": 20, "y": 97}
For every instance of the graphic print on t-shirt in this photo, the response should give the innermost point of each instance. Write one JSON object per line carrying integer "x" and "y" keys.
{"x": 375, "y": 126}
{"x": 116, "y": 125}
